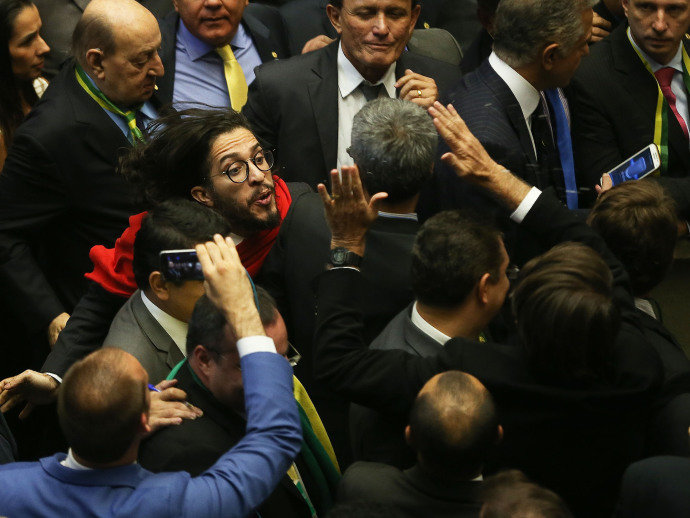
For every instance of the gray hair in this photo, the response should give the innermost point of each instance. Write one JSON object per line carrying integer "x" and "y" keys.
{"x": 394, "y": 145}
{"x": 524, "y": 27}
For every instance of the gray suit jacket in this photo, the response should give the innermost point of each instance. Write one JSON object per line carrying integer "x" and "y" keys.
{"x": 136, "y": 331}
{"x": 378, "y": 437}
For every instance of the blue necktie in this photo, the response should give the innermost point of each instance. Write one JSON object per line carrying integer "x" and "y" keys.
{"x": 565, "y": 146}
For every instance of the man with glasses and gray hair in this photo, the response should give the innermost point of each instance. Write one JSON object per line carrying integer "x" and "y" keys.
{"x": 212, "y": 378}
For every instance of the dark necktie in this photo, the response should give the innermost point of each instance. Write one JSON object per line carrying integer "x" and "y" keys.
{"x": 664, "y": 76}
{"x": 543, "y": 142}
{"x": 371, "y": 92}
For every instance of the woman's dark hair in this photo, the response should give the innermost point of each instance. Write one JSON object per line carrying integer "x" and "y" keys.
{"x": 12, "y": 91}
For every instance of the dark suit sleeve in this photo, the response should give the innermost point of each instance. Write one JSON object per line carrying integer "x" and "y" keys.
{"x": 85, "y": 330}
{"x": 33, "y": 194}
{"x": 263, "y": 116}
{"x": 385, "y": 380}
{"x": 595, "y": 145}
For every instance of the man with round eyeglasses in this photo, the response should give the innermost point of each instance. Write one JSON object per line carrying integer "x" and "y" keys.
{"x": 209, "y": 156}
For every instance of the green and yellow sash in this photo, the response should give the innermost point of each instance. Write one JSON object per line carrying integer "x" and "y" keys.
{"x": 662, "y": 107}
{"x": 135, "y": 133}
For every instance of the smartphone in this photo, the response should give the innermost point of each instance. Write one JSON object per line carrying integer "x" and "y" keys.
{"x": 181, "y": 265}
{"x": 637, "y": 166}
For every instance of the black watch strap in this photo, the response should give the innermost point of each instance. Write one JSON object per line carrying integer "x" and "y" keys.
{"x": 341, "y": 256}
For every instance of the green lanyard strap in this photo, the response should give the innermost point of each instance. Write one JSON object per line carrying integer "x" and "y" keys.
{"x": 107, "y": 104}
{"x": 662, "y": 108}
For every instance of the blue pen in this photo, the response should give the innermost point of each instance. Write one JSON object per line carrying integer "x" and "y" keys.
{"x": 152, "y": 388}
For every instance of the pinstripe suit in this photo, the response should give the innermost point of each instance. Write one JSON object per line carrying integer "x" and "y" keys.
{"x": 493, "y": 115}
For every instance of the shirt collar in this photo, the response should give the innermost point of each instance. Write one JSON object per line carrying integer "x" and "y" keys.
{"x": 676, "y": 62}
{"x": 527, "y": 96}
{"x": 197, "y": 49}
{"x": 645, "y": 306}
{"x": 349, "y": 77}
{"x": 426, "y": 328}
{"x": 174, "y": 327}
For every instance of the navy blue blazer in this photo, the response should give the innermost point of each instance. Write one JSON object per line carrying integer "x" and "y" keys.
{"x": 240, "y": 480}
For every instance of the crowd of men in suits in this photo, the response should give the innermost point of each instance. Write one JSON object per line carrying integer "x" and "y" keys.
{"x": 420, "y": 295}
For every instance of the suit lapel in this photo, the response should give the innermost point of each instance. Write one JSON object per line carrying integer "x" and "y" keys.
{"x": 81, "y": 4}
{"x": 97, "y": 126}
{"x": 641, "y": 86}
{"x": 507, "y": 100}
{"x": 168, "y": 27}
{"x": 323, "y": 92}
{"x": 155, "y": 333}
{"x": 422, "y": 344}
{"x": 261, "y": 36}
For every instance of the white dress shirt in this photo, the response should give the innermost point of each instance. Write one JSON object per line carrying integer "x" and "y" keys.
{"x": 527, "y": 96}
{"x": 426, "y": 328}
{"x": 351, "y": 100}
{"x": 176, "y": 329}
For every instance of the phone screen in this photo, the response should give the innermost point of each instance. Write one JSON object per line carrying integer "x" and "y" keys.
{"x": 633, "y": 169}
{"x": 181, "y": 265}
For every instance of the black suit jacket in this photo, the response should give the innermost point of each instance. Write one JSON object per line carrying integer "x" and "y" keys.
{"x": 59, "y": 196}
{"x": 293, "y": 107}
{"x": 575, "y": 440}
{"x": 195, "y": 445}
{"x": 379, "y": 437}
{"x": 493, "y": 115}
{"x": 299, "y": 254}
{"x": 262, "y": 22}
{"x": 613, "y": 103}
{"x": 411, "y": 492}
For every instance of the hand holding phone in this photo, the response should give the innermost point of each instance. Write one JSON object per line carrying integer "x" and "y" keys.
{"x": 636, "y": 167}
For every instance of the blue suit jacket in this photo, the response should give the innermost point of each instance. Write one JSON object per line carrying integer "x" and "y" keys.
{"x": 240, "y": 480}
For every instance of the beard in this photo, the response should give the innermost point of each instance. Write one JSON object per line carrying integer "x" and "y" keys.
{"x": 242, "y": 220}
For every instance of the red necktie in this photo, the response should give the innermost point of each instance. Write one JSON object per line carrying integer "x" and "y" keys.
{"x": 664, "y": 76}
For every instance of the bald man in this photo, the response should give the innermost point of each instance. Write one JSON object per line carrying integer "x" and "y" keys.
{"x": 60, "y": 193}
{"x": 452, "y": 428}
{"x": 103, "y": 407}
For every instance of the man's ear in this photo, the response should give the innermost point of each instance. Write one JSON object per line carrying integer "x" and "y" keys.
{"x": 334, "y": 16}
{"x": 408, "y": 436}
{"x": 499, "y": 434}
{"x": 483, "y": 288}
{"x": 201, "y": 195}
{"x": 626, "y": 5}
{"x": 549, "y": 56}
{"x": 415, "y": 15}
{"x": 159, "y": 285}
{"x": 94, "y": 61}
{"x": 144, "y": 426}
{"x": 202, "y": 359}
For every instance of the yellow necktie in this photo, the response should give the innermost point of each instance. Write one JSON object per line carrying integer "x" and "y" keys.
{"x": 237, "y": 84}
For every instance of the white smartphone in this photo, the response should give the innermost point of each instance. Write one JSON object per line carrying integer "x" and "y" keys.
{"x": 637, "y": 166}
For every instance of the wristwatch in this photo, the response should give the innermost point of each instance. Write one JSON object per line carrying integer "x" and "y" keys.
{"x": 341, "y": 256}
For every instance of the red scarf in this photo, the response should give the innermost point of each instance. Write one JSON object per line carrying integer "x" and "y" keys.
{"x": 113, "y": 266}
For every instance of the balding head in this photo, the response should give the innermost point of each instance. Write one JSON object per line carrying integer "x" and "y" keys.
{"x": 453, "y": 425}
{"x": 116, "y": 42}
{"x": 100, "y": 404}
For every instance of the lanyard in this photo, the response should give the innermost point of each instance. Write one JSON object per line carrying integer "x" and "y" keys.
{"x": 107, "y": 104}
{"x": 662, "y": 108}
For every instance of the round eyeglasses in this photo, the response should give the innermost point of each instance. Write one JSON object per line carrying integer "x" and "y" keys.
{"x": 238, "y": 171}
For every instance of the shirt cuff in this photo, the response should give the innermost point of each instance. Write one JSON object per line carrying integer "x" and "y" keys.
{"x": 55, "y": 377}
{"x": 255, "y": 344}
{"x": 525, "y": 205}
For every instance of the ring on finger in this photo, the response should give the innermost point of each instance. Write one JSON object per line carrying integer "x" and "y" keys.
{"x": 419, "y": 93}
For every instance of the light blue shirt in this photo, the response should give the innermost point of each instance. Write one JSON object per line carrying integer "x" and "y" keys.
{"x": 145, "y": 115}
{"x": 199, "y": 76}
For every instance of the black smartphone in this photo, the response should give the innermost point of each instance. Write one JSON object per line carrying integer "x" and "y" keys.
{"x": 637, "y": 166}
{"x": 181, "y": 265}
